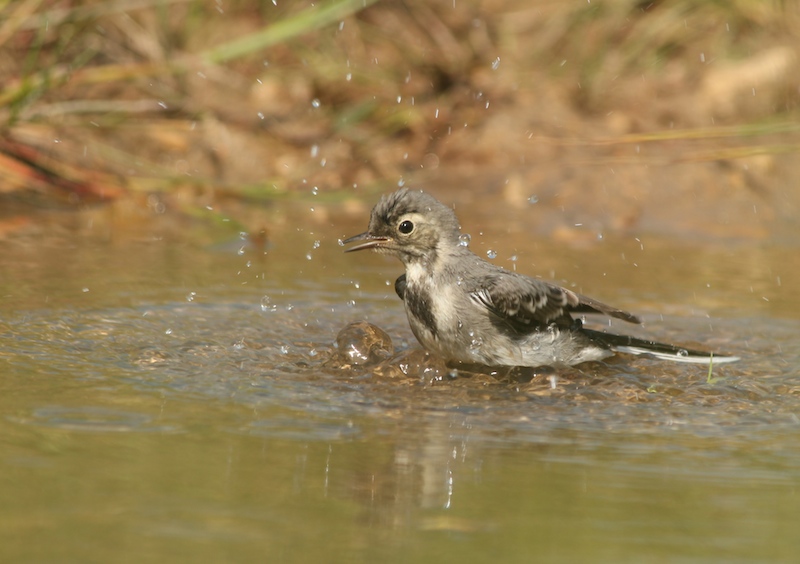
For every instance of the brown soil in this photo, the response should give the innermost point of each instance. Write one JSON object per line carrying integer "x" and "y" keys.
{"x": 679, "y": 118}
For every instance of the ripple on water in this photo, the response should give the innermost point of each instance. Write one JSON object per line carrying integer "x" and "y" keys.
{"x": 301, "y": 429}
{"x": 238, "y": 352}
{"x": 93, "y": 419}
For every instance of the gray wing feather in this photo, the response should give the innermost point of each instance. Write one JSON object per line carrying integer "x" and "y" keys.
{"x": 526, "y": 303}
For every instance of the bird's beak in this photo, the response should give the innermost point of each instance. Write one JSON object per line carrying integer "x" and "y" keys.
{"x": 370, "y": 242}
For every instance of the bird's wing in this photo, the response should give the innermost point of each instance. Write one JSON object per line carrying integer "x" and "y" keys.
{"x": 527, "y": 303}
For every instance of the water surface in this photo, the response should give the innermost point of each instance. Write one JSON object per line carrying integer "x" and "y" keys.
{"x": 172, "y": 397}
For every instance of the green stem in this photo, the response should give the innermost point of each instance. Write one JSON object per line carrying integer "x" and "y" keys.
{"x": 305, "y": 21}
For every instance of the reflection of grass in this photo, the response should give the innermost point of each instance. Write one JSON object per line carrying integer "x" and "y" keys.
{"x": 709, "y": 379}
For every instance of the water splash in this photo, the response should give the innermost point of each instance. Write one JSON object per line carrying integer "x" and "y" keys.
{"x": 475, "y": 341}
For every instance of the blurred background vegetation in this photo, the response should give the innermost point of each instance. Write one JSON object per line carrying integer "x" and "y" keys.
{"x": 183, "y": 105}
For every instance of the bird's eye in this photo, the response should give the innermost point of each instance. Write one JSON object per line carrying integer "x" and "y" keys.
{"x": 405, "y": 227}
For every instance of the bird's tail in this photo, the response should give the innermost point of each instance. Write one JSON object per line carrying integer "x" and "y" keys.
{"x": 633, "y": 345}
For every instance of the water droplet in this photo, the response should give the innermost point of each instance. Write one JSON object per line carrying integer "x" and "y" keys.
{"x": 314, "y": 151}
{"x": 316, "y": 244}
{"x": 464, "y": 239}
{"x": 260, "y": 115}
{"x": 401, "y": 183}
{"x": 683, "y": 352}
{"x": 266, "y": 304}
{"x": 496, "y": 63}
{"x": 356, "y": 285}
{"x": 314, "y": 191}
{"x": 475, "y": 342}
{"x": 240, "y": 252}
{"x": 312, "y": 352}
{"x": 491, "y": 254}
{"x": 190, "y": 296}
{"x": 340, "y": 242}
{"x": 168, "y": 332}
{"x": 284, "y": 349}
{"x": 533, "y": 199}
{"x": 348, "y": 77}
{"x": 308, "y": 256}
{"x": 351, "y": 303}
{"x": 599, "y": 236}
{"x": 316, "y": 103}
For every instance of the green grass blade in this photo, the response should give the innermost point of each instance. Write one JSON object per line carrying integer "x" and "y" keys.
{"x": 305, "y": 21}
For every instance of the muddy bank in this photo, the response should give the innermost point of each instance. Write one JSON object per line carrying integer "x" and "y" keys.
{"x": 678, "y": 119}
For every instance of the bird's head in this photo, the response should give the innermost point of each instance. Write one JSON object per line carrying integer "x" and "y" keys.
{"x": 410, "y": 225}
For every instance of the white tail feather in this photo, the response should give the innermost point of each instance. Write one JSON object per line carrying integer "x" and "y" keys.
{"x": 688, "y": 358}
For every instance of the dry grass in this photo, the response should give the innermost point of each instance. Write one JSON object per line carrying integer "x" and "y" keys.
{"x": 250, "y": 100}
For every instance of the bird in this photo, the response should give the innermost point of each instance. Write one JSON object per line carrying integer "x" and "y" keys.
{"x": 468, "y": 311}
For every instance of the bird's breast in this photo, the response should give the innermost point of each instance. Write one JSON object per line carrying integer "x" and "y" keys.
{"x": 438, "y": 312}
